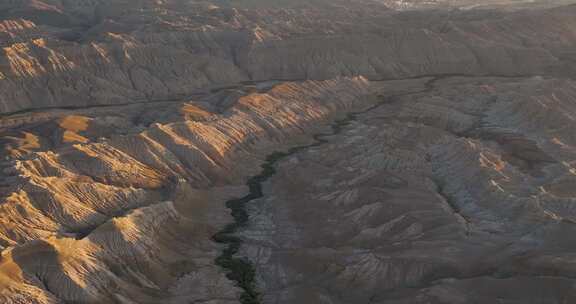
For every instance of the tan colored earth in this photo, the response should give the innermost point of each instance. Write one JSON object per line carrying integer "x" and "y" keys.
{"x": 252, "y": 151}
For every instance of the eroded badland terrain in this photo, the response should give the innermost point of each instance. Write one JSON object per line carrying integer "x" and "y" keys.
{"x": 252, "y": 151}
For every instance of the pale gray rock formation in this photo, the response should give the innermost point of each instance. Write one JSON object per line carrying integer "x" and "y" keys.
{"x": 127, "y": 128}
{"x": 109, "y": 52}
{"x": 452, "y": 194}
{"x": 472, "y": 4}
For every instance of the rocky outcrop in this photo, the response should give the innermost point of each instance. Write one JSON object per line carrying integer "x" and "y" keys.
{"x": 134, "y": 54}
{"x": 127, "y": 127}
{"x": 117, "y": 219}
{"x": 439, "y": 195}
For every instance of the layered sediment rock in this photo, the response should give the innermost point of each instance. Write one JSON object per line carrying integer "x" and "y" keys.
{"x": 162, "y": 50}
{"x": 438, "y": 196}
{"x": 116, "y": 219}
{"x": 126, "y": 125}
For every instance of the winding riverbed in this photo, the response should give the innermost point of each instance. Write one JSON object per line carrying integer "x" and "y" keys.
{"x": 239, "y": 269}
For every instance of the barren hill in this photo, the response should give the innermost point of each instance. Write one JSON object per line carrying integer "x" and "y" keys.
{"x": 350, "y": 151}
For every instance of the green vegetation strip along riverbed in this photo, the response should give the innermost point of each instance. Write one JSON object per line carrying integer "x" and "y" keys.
{"x": 239, "y": 269}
